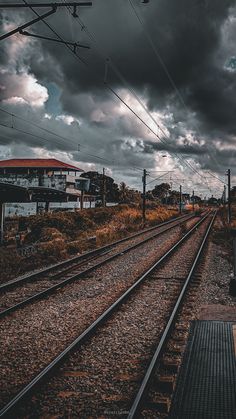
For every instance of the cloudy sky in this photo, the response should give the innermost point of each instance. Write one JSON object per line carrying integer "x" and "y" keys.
{"x": 155, "y": 90}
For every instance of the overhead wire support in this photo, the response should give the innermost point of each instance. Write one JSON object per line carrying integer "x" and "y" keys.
{"x": 144, "y": 181}
{"x": 74, "y": 44}
{"x": 109, "y": 62}
{"x": 216, "y": 177}
{"x": 42, "y": 5}
{"x": 161, "y": 61}
{"x": 66, "y": 4}
{"x": 39, "y": 18}
{"x": 229, "y": 195}
{"x": 167, "y": 172}
{"x": 26, "y": 25}
{"x": 55, "y": 32}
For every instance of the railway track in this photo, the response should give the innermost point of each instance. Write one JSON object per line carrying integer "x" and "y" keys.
{"x": 156, "y": 388}
{"x": 69, "y": 264}
{"x": 19, "y": 292}
{"x": 127, "y": 332}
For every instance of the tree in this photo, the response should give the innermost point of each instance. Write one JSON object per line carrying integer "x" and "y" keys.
{"x": 123, "y": 192}
{"x": 161, "y": 191}
{"x": 128, "y": 195}
{"x": 96, "y": 186}
{"x": 233, "y": 193}
{"x": 213, "y": 201}
{"x": 173, "y": 198}
{"x": 197, "y": 199}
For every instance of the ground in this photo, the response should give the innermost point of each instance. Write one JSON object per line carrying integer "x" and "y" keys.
{"x": 214, "y": 300}
{"x": 52, "y": 237}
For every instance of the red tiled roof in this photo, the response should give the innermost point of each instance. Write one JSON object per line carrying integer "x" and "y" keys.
{"x": 38, "y": 163}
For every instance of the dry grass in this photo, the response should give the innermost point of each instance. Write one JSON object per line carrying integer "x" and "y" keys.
{"x": 57, "y": 236}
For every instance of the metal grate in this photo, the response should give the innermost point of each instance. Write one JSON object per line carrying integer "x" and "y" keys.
{"x": 206, "y": 386}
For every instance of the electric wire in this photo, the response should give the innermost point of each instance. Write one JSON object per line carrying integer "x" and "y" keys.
{"x": 110, "y": 62}
{"x": 55, "y": 33}
{"x": 35, "y": 125}
{"x": 118, "y": 73}
{"x": 84, "y": 62}
{"x": 216, "y": 177}
{"x": 60, "y": 144}
{"x": 28, "y": 133}
{"x": 165, "y": 174}
{"x": 154, "y": 48}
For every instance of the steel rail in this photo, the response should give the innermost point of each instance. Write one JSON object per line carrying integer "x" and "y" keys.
{"x": 13, "y": 404}
{"x": 145, "y": 385}
{"x": 80, "y": 274}
{"x": 28, "y": 277}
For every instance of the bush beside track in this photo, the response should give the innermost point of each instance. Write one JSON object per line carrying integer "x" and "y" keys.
{"x": 56, "y": 236}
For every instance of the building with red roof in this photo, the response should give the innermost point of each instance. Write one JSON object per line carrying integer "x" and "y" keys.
{"x": 43, "y": 173}
{"x": 46, "y": 180}
{"x": 51, "y": 164}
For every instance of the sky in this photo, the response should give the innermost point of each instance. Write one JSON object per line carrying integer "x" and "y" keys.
{"x": 156, "y": 89}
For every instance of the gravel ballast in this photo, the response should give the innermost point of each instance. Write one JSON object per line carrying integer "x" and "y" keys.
{"x": 23, "y": 290}
{"x": 101, "y": 378}
{"x": 33, "y": 336}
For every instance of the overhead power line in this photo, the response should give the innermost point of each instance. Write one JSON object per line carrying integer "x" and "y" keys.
{"x": 161, "y": 61}
{"x": 75, "y": 4}
{"x": 35, "y": 125}
{"x": 56, "y": 33}
{"x": 160, "y": 139}
{"x": 47, "y": 38}
{"x": 216, "y": 177}
{"x": 53, "y": 6}
{"x": 110, "y": 63}
{"x": 60, "y": 144}
{"x": 106, "y": 84}
{"x": 29, "y": 133}
{"x": 159, "y": 177}
{"x": 109, "y": 87}
{"x": 30, "y": 23}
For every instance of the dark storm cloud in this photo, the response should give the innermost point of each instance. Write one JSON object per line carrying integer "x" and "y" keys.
{"x": 186, "y": 34}
{"x": 191, "y": 44}
{"x": 214, "y": 97}
{"x": 3, "y": 47}
{"x": 192, "y": 149}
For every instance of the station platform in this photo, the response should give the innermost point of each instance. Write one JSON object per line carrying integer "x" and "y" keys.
{"x": 206, "y": 385}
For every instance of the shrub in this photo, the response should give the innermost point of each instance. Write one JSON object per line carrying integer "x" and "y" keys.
{"x": 58, "y": 235}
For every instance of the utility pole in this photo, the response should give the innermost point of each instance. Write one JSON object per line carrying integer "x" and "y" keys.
{"x": 103, "y": 188}
{"x": 2, "y": 216}
{"x": 82, "y": 200}
{"x": 193, "y": 200}
{"x": 229, "y": 195}
{"x": 144, "y": 179}
{"x": 224, "y": 195}
{"x": 180, "y": 199}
